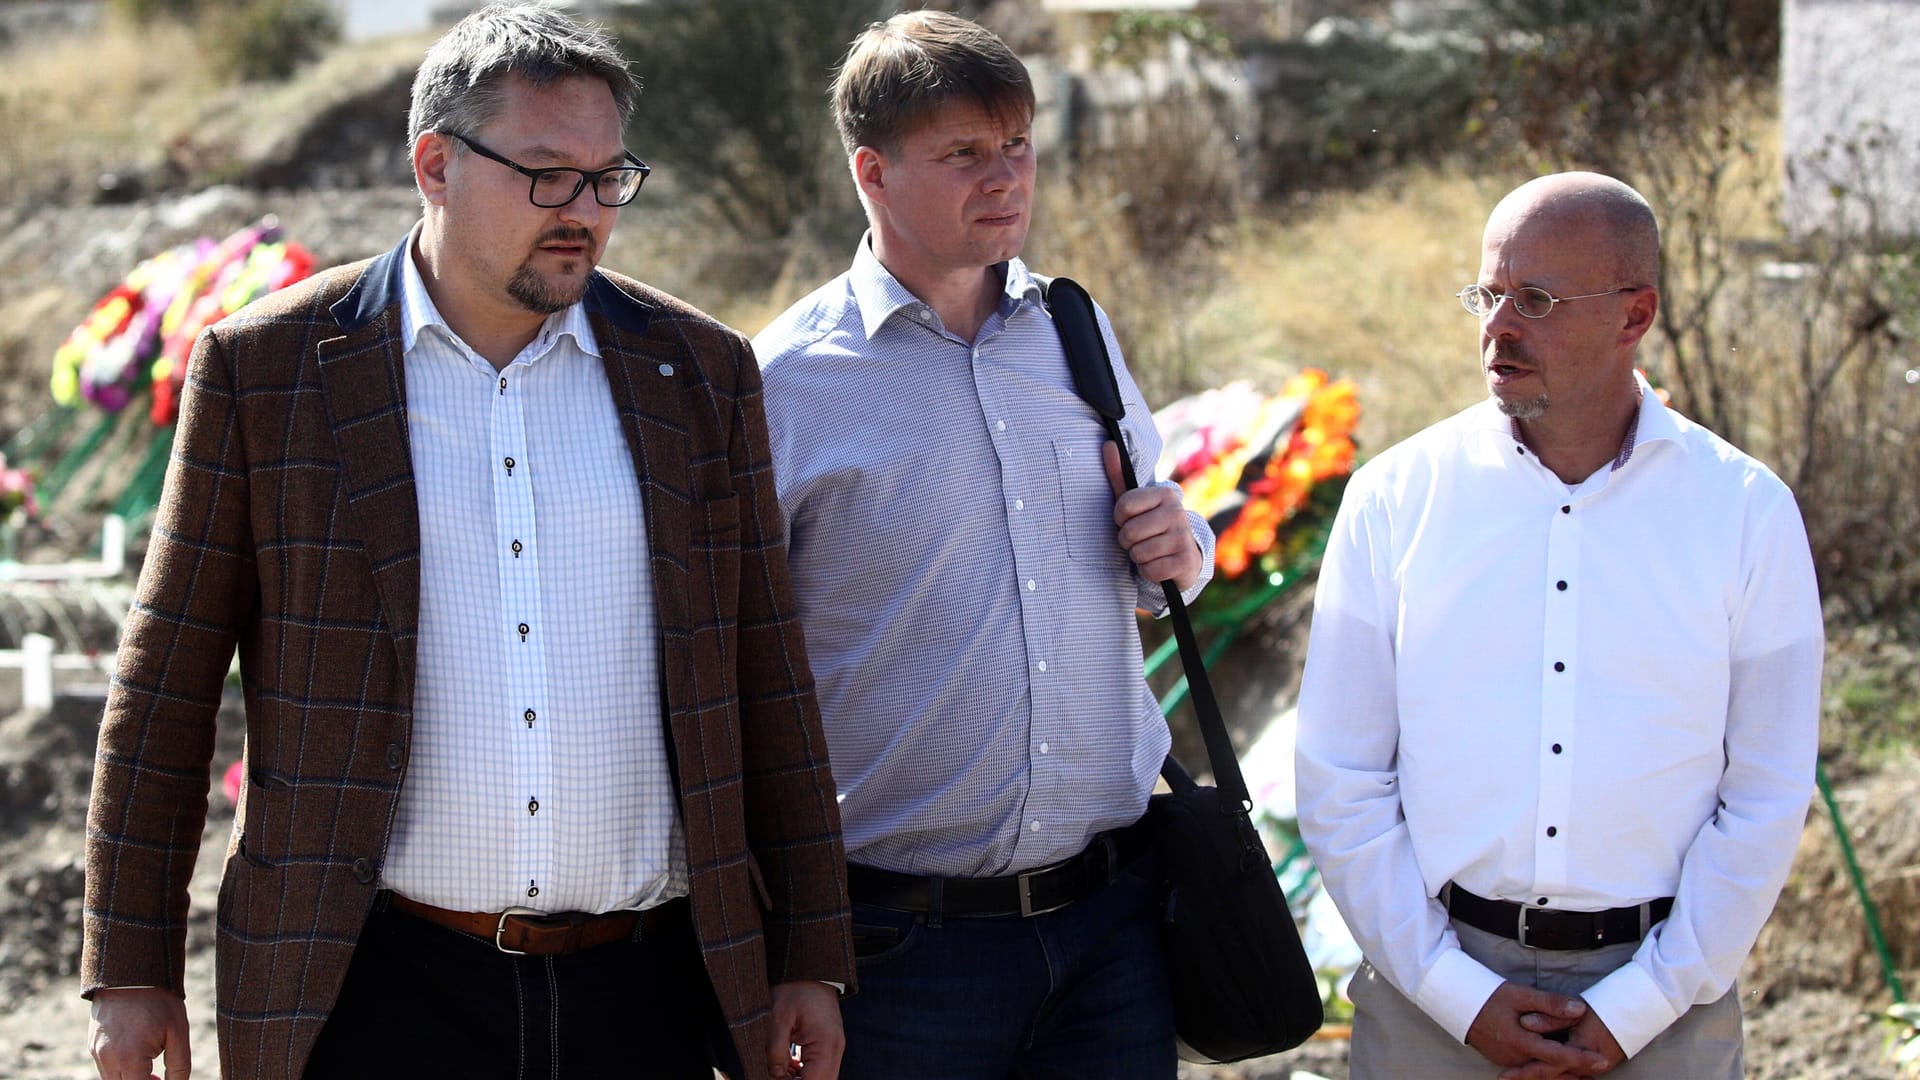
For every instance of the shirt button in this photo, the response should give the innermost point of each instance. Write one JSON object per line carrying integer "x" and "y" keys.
{"x": 1558, "y": 666}
{"x": 1566, "y": 509}
{"x": 1030, "y": 585}
{"x": 1044, "y": 748}
{"x": 1556, "y": 748}
{"x": 666, "y": 369}
{"x": 509, "y": 464}
{"x": 503, "y": 384}
{"x": 1042, "y": 665}
{"x": 1019, "y": 504}
{"x": 1552, "y": 831}
{"x": 1561, "y": 585}
{"x": 1001, "y": 424}
{"x": 393, "y": 755}
{"x": 525, "y": 629}
{"x": 1543, "y": 902}
{"x": 363, "y": 871}
{"x": 530, "y": 717}
{"x": 1034, "y": 825}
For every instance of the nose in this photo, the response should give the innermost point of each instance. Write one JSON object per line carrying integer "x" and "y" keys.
{"x": 1505, "y": 318}
{"x": 584, "y": 208}
{"x": 999, "y": 175}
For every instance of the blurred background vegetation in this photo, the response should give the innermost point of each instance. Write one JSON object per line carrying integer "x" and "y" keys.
{"x": 1222, "y": 250}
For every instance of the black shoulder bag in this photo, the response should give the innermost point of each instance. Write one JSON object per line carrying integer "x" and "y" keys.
{"x": 1242, "y": 986}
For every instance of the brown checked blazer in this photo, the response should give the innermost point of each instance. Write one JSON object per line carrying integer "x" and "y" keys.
{"x": 289, "y": 529}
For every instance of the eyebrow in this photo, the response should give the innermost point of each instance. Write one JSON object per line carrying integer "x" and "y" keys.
{"x": 546, "y": 157}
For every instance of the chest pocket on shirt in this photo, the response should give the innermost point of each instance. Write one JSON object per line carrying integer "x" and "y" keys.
{"x": 1086, "y": 501}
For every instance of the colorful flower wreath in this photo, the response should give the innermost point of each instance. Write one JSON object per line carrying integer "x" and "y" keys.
{"x": 1260, "y": 467}
{"x": 144, "y": 327}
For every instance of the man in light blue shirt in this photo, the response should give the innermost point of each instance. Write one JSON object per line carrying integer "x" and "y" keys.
{"x": 968, "y": 580}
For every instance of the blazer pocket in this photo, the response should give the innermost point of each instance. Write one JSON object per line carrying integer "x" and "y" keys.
{"x": 759, "y": 883}
{"x": 717, "y": 517}
{"x": 714, "y": 562}
{"x": 265, "y": 814}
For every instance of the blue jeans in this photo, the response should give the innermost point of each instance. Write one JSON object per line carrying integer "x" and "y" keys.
{"x": 1071, "y": 994}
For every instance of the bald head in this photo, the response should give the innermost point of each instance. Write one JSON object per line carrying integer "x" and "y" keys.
{"x": 1593, "y": 211}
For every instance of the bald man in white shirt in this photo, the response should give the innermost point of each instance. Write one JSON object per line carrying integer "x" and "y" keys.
{"x": 1559, "y": 719}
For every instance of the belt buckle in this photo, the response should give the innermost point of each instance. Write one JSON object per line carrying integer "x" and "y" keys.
{"x": 1520, "y": 928}
{"x": 1023, "y": 884}
{"x": 500, "y": 928}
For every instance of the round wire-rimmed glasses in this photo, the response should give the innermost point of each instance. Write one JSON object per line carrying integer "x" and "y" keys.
{"x": 559, "y": 185}
{"x": 1530, "y": 302}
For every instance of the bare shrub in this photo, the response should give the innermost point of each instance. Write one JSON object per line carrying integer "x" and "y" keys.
{"x": 265, "y": 40}
{"x": 735, "y": 104}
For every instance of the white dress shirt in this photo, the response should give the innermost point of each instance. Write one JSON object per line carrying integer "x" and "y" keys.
{"x": 1573, "y": 696}
{"x": 968, "y": 608}
{"x": 538, "y": 775}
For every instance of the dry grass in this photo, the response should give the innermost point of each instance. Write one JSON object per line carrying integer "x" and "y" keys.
{"x": 1358, "y": 284}
{"x": 76, "y": 105}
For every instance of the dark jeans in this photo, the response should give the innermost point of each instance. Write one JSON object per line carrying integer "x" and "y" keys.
{"x": 421, "y": 1000}
{"x": 1077, "y": 993}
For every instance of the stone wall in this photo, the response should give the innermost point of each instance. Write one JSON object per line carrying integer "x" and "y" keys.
{"x": 1850, "y": 102}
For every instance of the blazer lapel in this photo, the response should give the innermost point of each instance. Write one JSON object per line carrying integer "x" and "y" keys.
{"x": 650, "y": 379}
{"x": 362, "y": 373}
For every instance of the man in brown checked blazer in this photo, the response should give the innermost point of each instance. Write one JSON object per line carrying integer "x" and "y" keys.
{"x": 535, "y": 783}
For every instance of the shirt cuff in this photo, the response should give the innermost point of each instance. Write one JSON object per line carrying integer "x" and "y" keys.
{"x": 1630, "y": 1003}
{"x": 838, "y": 987}
{"x": 1455, "y": 990}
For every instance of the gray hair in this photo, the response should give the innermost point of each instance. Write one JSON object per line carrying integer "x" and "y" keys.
{"x": 458, "y": 88}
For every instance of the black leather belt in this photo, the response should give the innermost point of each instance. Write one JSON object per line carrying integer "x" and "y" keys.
{"x": 1545, "y": 928}
{"x": 1034, "y": 892}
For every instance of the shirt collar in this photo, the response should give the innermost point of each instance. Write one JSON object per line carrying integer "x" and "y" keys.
{"x": 417, "y": 313}
{"x": 880, "y": 296}
{"x": 1652, "y": 423}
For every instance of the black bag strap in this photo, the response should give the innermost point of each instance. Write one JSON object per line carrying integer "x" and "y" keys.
{"x": 1086, "y": 349}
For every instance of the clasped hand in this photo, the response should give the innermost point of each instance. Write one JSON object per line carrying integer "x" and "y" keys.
{"x": 1513, "y": 1028}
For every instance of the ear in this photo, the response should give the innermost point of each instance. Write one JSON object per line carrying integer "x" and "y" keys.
{"x": 431, "y": 153}
{"x": 1641, "y": 309}
{"x": 869, "y": 168}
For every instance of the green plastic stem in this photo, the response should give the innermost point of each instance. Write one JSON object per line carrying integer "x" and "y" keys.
{"x": 1888, "y": 970}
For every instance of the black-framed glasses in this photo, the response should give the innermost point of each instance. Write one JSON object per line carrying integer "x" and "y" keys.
{"x": 558, "y": 186}
{"x": 1530, "y": 302}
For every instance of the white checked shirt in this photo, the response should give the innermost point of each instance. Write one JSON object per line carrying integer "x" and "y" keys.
{"x": 538, "y": 772}
{"x": 1576, "y": 696}
{"x": 968, "y": 609}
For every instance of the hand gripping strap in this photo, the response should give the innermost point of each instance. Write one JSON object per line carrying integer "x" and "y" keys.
{"x": 1093, "y": 378}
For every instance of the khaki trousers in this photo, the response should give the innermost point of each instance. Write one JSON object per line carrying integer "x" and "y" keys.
{"x": 1394, "y": 1040}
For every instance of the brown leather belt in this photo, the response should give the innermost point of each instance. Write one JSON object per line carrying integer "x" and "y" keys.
{"x": 535, "y": 933}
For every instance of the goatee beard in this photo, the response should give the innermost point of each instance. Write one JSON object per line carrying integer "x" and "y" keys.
{"x": 1527, "y": 408}
{"x": 531, "y": 291}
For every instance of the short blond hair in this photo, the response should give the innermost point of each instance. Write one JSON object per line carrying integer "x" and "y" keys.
{"x": 899, "y": 72}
